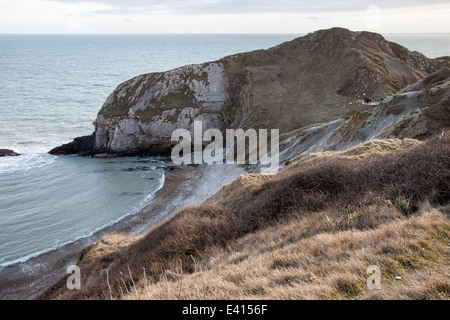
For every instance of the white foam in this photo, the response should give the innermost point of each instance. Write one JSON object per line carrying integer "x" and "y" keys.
{"x": 25, "y": 162}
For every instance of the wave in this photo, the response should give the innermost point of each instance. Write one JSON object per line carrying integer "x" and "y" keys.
{"x": 25, "y": 162}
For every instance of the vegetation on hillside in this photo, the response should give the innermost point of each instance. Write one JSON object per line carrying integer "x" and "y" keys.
{"x": 310, "y": 231}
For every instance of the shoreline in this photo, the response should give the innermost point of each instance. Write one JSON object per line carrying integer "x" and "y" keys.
{"x": 31, "y": 256}
{"x": 182, "y": 187}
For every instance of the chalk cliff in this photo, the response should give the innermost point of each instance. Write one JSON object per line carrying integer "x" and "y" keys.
{"x": 316, "y": 79}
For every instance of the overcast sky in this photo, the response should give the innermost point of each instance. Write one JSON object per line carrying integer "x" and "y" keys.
{"x": 222, "y": 16}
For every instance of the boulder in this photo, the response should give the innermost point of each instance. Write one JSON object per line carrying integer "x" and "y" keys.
{"x": 8, "y": 153}
{"x": 80, "y": 145}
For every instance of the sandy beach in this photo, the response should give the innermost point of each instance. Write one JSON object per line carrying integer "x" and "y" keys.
{"x": 182, "y": 187}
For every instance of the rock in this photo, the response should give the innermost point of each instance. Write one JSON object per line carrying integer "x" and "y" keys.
{"x": 82, "y": 253}
{"x": 143, "y": 112}
{"x": 311, "y": 80}
{"x": 417, "y": 115}
{"x": 432, "y": 80}
{"x": 81, "y": 145}
{"x": 8, "y": 153}
{"x": 414, "y": 115}
{"x": 398, "y": 278}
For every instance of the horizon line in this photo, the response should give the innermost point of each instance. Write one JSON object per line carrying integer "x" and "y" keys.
{"x": 198, "y": 33}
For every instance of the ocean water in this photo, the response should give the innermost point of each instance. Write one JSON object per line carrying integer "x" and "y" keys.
{"x": 51, "y": 88}
{"x": 433, "y": 45}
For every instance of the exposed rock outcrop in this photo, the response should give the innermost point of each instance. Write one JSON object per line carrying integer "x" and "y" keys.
{"x": 314, "y": 79}
{"x": 433, "y": 79}
{"x": 143, "y": 112}
{"x": 418, "y": 115}
{"x": 80, "y": 145}
{"x": 8, "y": 153}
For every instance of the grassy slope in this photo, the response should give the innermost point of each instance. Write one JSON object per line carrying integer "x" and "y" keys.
{"x": 290, "y": 261}
{"x": 310, "y": 231}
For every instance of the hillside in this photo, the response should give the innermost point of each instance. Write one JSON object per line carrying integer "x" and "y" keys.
{"x": 311, "y": 80}
{"x": 360, "y": 185}
{"x": 310, "y": 231}
{"x": 419, "y": 111}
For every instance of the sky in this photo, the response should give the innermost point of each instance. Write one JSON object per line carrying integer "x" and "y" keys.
{"x": 222, "y": 16}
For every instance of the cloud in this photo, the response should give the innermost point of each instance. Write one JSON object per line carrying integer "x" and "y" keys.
{"x": 246, "y": 6}
{"x": 225, "y": 16}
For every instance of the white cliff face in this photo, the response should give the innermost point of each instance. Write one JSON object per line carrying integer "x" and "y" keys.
{"x": 304, "y": 83}
{"x": 144, "y": 111}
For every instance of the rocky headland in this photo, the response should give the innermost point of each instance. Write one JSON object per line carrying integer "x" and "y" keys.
{"x": 356, "y": 178}
{"x": 320, "y": 79}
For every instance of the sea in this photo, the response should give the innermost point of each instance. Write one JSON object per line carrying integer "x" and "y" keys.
{"x": 51, "y": 89}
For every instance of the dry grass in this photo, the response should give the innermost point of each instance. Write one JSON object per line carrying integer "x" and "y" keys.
{"x": 309, "y": 232}
{"x": 239, "y": 189}
{"x": 292, "y": 262}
